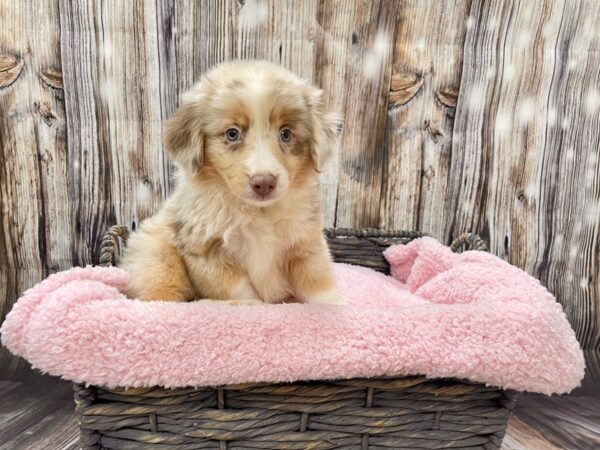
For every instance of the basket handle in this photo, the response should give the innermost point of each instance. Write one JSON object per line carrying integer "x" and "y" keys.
{"x": 470, "y": 240}
{"x": 110, "y": 243}
{"x": 372, "y": 233}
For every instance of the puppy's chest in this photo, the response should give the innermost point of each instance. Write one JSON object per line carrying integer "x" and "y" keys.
{"x": 260, "y": 246}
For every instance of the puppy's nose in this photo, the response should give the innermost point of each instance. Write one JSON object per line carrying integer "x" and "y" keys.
{"x": 263, "y": 184}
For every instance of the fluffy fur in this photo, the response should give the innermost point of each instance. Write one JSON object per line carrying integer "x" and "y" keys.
{"x": 218, "y": 236}
{"x": 471, "y": 316}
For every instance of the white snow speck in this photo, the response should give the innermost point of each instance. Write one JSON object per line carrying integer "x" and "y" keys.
{"x": 470, "y": 22}
{"x": 421, "y": 43}
{"x": 375, "y": 58}
{"x": 565, "y": 123}
{"x": 502, "y": 122}
{"x": 476, "y": 98}
{"x": 590, "y": 175}
{"x": 144, "y": 193}
{"x": 509, "y": 72}
{"x": 573, "y": 252}
{"x": 253, "y": 14}
{"x": 382, "y": 43}
{"x": 570, "y": 154}
{"x": 549, "y": 30}
{"x": 571, "y": 64}
{"x": 593, "y": 212}
{"x": 107, "y": 90}
{"x": 523, "y": 39}
{"x": 531, "y": 190}
{"x": 106, "y": 47}
{"x": 371, "y": 66}
{"x": 583, "y": 283}
{"x": 551, "y": 116}
{"x": 592, "y": 101}
{"x": 559, "y": 239}
{"x": 490, "y": 73}
{"x": 526, "y": 111}
{"x": 589, "y": 31}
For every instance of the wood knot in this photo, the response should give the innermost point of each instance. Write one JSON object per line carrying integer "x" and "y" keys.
{"x": 447, "y": 96}
{"x": 10, "y": 69}
{"x": 404, "y": 87}
{"x": 54, "y": 80}
{"x": 45, "y": 112}
{"x": 434, "y": 133}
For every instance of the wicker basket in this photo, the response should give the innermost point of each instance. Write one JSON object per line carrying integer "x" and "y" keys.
{"x": 401, "y": 413}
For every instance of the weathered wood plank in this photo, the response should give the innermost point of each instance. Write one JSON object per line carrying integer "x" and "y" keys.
{"x": 565, "y": 421}
{"x": 368, "y": 78}
{"x": 524, "y": 171}
{"x": 34, "y": 226}
{"x": 37, "y": 413}
{"x": 426, "y": 75}
{"x": 112, "y": 77}
{"x": 568, "y": 262}
{"x": 520, "y": 436}
{"x": 336, "y": 22}
{"x": 208, "y": 33}
{"x": 204, "y": 35}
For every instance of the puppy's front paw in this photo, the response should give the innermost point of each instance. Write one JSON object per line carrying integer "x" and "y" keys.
{"x": 330, "y": 297}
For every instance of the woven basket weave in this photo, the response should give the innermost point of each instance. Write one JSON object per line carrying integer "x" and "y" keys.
{"x": 410, "y": 412}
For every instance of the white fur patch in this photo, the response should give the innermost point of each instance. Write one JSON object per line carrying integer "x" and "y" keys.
{"x": 330, "y": 297}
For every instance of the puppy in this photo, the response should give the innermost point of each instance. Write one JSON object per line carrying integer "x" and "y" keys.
{"x": 244, "y": 223}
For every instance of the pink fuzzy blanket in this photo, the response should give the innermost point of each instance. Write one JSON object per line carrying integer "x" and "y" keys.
{"x": 440, "y": 314}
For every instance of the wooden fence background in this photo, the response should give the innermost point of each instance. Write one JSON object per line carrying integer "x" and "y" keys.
{"x": 460, "y": 115}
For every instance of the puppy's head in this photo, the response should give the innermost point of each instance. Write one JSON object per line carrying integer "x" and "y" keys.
{"x": 257, "y": 127}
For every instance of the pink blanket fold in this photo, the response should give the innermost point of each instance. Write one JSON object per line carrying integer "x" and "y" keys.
{"x": 440, "y": 314}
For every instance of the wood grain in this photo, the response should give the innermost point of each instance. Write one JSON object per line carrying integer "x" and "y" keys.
{"x": 520, "y": 436}
{"x": 524, "y": 169}
{"x": 426, "y": 73}
{"x": 368, "y": 79}
{"x": 35, "y": 231}
{"x": 112, "y": 78}
{"x": 37, "y": 413}
{"x": 467, "y": 116}
{"x": 565, "y": 422}
{"x": 336, "y": 22}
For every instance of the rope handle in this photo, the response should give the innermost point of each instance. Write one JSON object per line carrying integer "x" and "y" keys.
{"x": 471, "y": 240}
{"x": 110, "y": 244}
{"x": 468, "y": 240}
{"x": 372, "y": 233}
{"x": 119, "y": 233}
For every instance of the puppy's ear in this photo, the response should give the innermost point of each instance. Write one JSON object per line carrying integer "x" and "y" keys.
{"x": 326, "y": 132}
{"x": 184, "y": 140}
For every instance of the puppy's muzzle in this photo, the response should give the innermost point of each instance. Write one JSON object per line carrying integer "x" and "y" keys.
{"x": 263, "y": 184}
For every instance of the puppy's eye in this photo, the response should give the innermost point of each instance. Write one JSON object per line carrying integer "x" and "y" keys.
{"x": 285, "y": 134}
{"x": 233, "y": 135}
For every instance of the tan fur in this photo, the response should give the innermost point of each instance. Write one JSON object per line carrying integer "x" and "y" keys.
{"x": 215, "y": 238}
